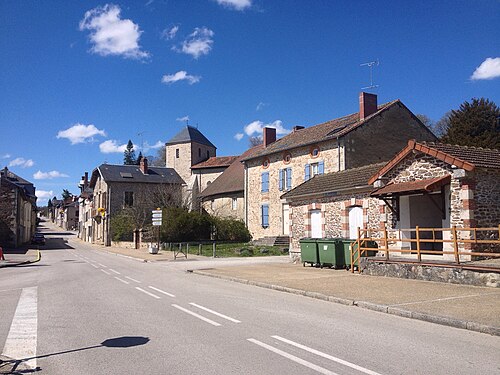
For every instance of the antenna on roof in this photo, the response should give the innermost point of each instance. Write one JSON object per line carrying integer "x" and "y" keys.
{"x": 370, "y": 64}
{"x": 142, "y": 141}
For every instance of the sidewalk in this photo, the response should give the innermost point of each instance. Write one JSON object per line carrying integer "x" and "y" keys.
{"x": 19, "y": 257}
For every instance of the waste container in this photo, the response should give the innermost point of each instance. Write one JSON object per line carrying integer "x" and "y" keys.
{"x": 331, "y": 252}
{"x": 309, "y": 251}
{"x": 346, "y": 243}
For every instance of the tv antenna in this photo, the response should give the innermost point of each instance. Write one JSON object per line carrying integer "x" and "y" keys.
{"x": 140, "y": 134}
{"x": 370, "y": 64}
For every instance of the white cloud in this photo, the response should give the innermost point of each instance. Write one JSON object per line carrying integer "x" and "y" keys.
{"x": 157, "y": 145}
{"x": 489, "y": 69}
{"x": 239, "y": 136}
{"x": 169, "y": 34}
{"x": 181, "y": 75}
{"x": 260, "y": 106}
{"x": 198, "y": 43}
{"x": 112, "y": 35}
{"x": 79, "y": 133}
{"x": 182, "y": 119}
{"x": 256, "y": 127}
{"x": 235, "y": 4}
{"x": 21, "y": 162}
{"x": 111, "y": 146}
{"x": 6, "y": 156}
{"x": 48, "y": 175}
{"x": 44, "y": 194}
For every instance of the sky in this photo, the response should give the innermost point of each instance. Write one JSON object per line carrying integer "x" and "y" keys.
{"x": 78, "y": 79}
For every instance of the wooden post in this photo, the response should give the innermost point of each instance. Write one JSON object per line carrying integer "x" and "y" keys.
{"x": 386, "y": 243}
{"x": 199, "y": 249}
{"x": 417, "y": 235}
{"x": 213, "y": 250}
{"x": 455, "y": 244}
{"x": 187, "y": 248}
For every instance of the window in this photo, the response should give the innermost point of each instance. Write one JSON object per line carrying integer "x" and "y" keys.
{"x": 199, "y": 152}
{"x": 285, "y": 179}
{"x": 314, "y": 151}
{"x": 235, "y": 203}
{"x": 208, "y": 154}
{"x": 177, "y": 153}
{"x": 265, "y": 182}
{"x": 265, "y": 215}
{"x": 313, "y": 169}
{"x": 265, "y": 163}
{"x": 129, "y": 198}
{"x": 287, "y": 158}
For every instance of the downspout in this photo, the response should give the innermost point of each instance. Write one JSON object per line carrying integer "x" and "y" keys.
{"x": 245, "y": 193}
{"x": 108, "y": 216}
{"x": 338, "y": 154}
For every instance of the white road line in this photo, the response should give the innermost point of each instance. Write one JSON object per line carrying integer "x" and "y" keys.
{"x": 149, "y": 294}
{"x": 123, "y": 281}
{"x": 112, "y": 270}
{"x": 291, "y": 357}
{"x": 327, "y": 356}
{"x": 106, "y": 272}
{"x": 134, "y": 280}
{"x": 22, "y": 338}
{"x": 93, "y": 265}
{"x": 102, "y": 265}
{"x": 215, "y": 313}
{"x": 162, "y": 291}
{"x": 196, "y": 315}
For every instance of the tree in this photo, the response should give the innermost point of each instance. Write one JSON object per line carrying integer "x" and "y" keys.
{"x": 255, "y": 141}
{"x": 138, "y": 161}
{"x": 441, "y": 126}
{"x": 426, "y": 120}
{"x": 160, "y": 159}
{"x": 474, "y": 124}
{"x": 129, "y": 154}
{"x": 66, "y": 194}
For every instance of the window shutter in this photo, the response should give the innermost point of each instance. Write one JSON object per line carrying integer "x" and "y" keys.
{"x": 288, "y": 178}
{"x": 265, "y": 182}
{"x": 265, "y": 215}
{"x": 321, "y": 167}
{"x": 307, "y": 171}
{"x": 281, "y": 179}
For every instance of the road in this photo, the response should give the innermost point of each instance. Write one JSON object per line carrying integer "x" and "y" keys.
{"x": 84, "y": 311}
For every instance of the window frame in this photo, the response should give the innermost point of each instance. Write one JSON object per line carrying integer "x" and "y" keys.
{"x": 264, "y": 182}
{"x": 264, "y": 213}
{"x": 128, "y": 199}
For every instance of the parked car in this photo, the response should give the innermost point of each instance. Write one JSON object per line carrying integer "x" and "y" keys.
{"x": 38, "y": 239}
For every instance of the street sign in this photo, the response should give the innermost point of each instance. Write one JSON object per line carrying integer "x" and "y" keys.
{"x": 156, "y": 212}
{"x": 156, "y": 216}
{"x": 157, "y": 223}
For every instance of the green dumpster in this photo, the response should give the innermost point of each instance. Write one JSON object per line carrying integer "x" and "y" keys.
{"x": 309, "y": 251}
{"x": 331, "y": 252}
{"x": 346, "y": 243}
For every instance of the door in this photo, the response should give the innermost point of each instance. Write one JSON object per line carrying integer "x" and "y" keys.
{"x": 316, "y": 231}
{"x": 426, "y": 211}
{"x": 286, "y": 220}
{"x": 355, "y": 221}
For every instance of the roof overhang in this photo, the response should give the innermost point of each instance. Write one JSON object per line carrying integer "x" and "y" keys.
{"x": 424, "y": 186}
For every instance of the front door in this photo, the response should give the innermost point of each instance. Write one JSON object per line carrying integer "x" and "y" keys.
{"x": 316, "y": 231}
{"x": 286, "y": 220}
{"x": 355, "y": 221}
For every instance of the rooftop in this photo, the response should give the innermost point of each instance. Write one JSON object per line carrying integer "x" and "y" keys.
{"x": 216, "y": 162}
{"x": 132, "y": 173}
{"x": 190, "y": 134}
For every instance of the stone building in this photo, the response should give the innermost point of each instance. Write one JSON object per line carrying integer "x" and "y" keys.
{"x": 112, "y": 188}
{"x": 17, "y": 209}
{"x": 374, "y": 134}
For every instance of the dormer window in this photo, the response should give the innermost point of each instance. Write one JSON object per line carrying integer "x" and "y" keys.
{"x": 287, "y": 158}
{"x": 265, "y": 163}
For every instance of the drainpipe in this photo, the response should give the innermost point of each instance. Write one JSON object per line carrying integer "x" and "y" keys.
{"x": 108, "y": 216}
{"x": 338, "y": 153}
{"x": 245, "y": 193}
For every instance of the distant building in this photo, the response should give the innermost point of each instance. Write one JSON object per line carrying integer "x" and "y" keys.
{"x": 17, "y": 209}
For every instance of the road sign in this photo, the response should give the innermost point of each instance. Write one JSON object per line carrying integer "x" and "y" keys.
{"x": 157, "y": 223}
{"x": 156, "y": 216}
{"x": 156, "y": 212}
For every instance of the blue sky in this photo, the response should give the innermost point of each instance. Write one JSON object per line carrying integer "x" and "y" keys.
{"x": 80, "y": 78}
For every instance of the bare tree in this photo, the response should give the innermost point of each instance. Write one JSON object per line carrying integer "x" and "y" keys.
{"x": 255, "y": 141}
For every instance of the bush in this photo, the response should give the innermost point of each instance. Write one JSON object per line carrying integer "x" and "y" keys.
{"x": 122, "y": 227}
{"x": 231, "y": 230}
{"x": 180, "y": 225}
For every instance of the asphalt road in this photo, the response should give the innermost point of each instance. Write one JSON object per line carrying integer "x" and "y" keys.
{"x": 99, "y": 313}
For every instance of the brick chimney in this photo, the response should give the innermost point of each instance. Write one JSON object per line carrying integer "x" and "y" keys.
{"x": 297, "y": 127}
{"x": 367, "y": 105}
{"x": 143, "y": 164}
{"x": 269, "y": 136}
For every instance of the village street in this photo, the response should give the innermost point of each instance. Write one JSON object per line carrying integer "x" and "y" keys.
{"x": 84, "y": 311}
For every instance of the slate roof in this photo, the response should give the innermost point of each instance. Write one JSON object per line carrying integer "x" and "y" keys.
{"x": 132, "y": 173}
{"x": 190, "y": 134}
{"x": 331, "y": 184}
{"x": 20, "y": 182}
{"x": 216, "y": 162}
{"x": 232, "y": 180}
{"x": 464, "y": 157}
{"x": 321, "y": 132}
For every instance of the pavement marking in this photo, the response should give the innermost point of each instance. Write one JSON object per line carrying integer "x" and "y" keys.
{"x": 196, "y": 315}
{"x": 291, "y": 357}
{"x": 106, "y": 272}
{"x": 22, "y": 338}
{"x": 123, "y": 281}
{"x": 149, "y": 294}
{"x": 162, "y": 291}
{"x": 102, "y": 265}
{"x": 134, "y": 280}
{"x": 112, "y": 270}
{"x": 327, "y": 356}
{"x": 215, "y": 313}
{"x": 444, "y": 299}
{"x": 93, "y": 265}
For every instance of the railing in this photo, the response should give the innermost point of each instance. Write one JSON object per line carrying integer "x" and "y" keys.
{"x": 464, "y": 242}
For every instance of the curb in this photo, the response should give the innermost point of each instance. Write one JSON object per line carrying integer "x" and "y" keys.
{"x": 38, "y": 258}
{"x": 436, "y": 319}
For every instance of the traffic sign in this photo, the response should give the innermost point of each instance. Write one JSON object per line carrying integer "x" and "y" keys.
{"x": 157, "y": 223}
{"x": 156, "y": 216}
{"x": 156, "y": 212}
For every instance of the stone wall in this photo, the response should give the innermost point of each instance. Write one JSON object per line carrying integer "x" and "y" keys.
{"x": 207, "y": 175}
{"x": 487, "y": 198}
{"x": 190, "y": 153}
{"x": 223, "y": 206}
{"x": 8, "y": 226}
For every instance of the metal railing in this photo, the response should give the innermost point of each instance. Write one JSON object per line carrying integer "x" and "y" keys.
{"x": 465, "y": 242}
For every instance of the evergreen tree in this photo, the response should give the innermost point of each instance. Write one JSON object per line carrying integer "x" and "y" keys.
{"x": 129, "y": 154}
{"x": 138, "y": 162}
{"x": 474, "y": 124}
{"x": 66, "y": 194}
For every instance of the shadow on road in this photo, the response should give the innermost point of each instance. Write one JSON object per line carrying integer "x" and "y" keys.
{"x": 16, "y": 366}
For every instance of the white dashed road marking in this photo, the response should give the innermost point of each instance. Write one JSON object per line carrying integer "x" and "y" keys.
{"x": 146, "y": 292}
{"x": 134, "y": 280}
{"x": 123, "y": 281}
{"x": 106, "y": 272}
{"x": 196, "y": 315}
{"x": 162, "y": 291}
{"x": 112, "y": 270}
{"x": 21, "y": 341}
{"x": 215, "y": 313}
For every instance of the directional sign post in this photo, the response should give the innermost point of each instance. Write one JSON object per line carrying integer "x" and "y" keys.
{"x": 157, "y": 219}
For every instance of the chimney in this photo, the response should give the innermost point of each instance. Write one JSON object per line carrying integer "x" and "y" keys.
{"x": 144, "y": 165}
{"x": 269, "y": 136}
{"x": 297, "y": 127}
{"x": 367, "y": 105}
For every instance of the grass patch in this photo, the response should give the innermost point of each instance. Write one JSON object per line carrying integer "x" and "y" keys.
{"x": 226, "y": 250}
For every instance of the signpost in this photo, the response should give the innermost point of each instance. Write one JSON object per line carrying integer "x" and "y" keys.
{"x": 157, "y": 219}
